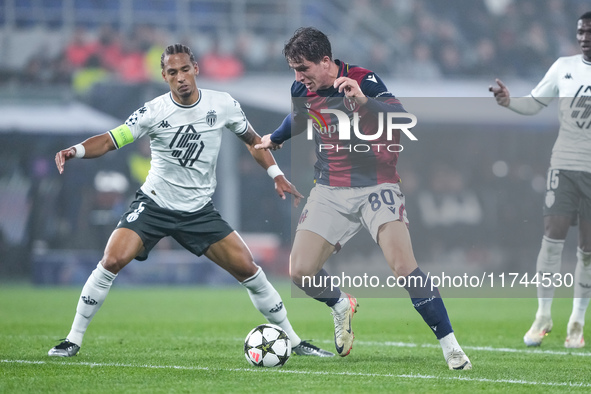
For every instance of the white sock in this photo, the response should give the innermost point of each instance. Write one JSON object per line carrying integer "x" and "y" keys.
{"x": 342, "y": 304}
{"x": 449, "y": 343}
{"x": 92, "y": 297}
{"x": 268, "y": 301}
{"x": 582, "y": 287}
{"x": 549, "y": 260}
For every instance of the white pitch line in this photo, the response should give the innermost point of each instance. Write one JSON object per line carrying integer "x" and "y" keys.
{"x": 477, "y": 348}
{"x": 286, "y": 371}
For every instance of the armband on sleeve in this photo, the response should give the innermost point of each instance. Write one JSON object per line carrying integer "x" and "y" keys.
{"x": 121, "y": 136}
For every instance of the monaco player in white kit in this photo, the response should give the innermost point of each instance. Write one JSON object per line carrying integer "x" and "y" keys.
{"x": 568, "y": 194}
{"x": 185, "y": 129}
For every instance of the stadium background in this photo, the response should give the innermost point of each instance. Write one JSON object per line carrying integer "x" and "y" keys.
{"x": 73, "y": 68}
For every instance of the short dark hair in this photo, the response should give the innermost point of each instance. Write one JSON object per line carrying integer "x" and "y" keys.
{"x": 309, "y": 44}
{"x": 586, "y": 15}
{"x": 174, "y": 49}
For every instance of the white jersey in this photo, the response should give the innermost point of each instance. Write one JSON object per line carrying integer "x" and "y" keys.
{"x": 569, "y": 78}
{"x": 185, "y": 141}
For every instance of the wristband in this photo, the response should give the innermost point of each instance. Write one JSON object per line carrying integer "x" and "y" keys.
{"x": 80, "y": 151}
{"x": 274, "y": 171}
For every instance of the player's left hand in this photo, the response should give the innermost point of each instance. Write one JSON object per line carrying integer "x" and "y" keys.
{"x": 351, "y": 89}
{"x": 282, "y": 186}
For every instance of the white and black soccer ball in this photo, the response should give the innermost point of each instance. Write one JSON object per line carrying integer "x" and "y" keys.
{"x": 267, "y": 345}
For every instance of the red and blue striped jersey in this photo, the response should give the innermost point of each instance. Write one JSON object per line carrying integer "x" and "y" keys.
{"x": 355, "y": 162}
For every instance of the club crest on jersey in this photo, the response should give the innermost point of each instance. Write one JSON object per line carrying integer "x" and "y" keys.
{"x": 350, "y": 103}
{"x": 211, "y": 118}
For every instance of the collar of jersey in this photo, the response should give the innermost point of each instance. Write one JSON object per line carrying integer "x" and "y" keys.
{"x": 185, "y": 106}
{"x": 585, "y": 61}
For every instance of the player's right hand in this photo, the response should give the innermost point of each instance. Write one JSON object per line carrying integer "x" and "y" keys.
{"x": 62, "y": 156}
{"x": 267, "y": 144}
{"x": 501, "y": 93}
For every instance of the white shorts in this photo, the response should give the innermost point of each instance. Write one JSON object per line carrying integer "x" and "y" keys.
{"x": 338, "y": 213}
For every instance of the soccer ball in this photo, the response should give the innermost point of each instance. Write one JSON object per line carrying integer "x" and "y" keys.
{"x": 267, "y": 345}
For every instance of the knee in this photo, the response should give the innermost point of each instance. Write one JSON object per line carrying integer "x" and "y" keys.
{"x": 404, "y": 268}
{"x": 296, "y": 277}
{"x": 114, "y": 263}
{"x": 298, "y": 271}
{"x": 242, "y": 268}
{"x": 247, "y": 271}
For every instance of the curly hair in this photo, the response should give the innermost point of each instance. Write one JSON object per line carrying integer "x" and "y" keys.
{"x": 307, "y": 43}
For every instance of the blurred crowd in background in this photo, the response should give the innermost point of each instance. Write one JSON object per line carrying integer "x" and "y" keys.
{"x": 474, "y": 191}
{"x": 43, "y": 42}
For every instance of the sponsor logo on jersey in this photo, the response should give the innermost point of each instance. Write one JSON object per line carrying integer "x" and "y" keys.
{"x": 568, "y": 76}
{"x": 164, "y": 124}
{"x": 211, "y": 118}
{"x": 581, "y": 107}
{"x": 186, "y": 145}
{"x": 342, "y": 128}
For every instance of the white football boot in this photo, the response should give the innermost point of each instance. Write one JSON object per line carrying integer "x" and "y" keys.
{"x": 574, "y": 336}
{"x": 539, "y": 329}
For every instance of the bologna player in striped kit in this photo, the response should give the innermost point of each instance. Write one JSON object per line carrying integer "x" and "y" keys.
{"x": 349, "y": 183}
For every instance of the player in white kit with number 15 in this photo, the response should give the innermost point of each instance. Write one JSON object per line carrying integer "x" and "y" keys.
{"x": 568, "y": 190}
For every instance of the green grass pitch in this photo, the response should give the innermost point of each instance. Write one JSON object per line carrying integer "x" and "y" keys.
{"x": 189, "y": 340}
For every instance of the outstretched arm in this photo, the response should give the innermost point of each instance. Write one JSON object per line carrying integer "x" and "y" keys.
{"x": 267, "y": 161}
{"x": 527, "y": 105}
{"x": 93, "y": 147}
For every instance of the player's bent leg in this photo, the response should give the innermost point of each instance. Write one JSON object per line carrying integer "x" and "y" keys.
{"x": 309, "y": 253}
{"x": 394, "y": 240}
{"x": 232, "y": 254}
{"x": 123, "y": 246}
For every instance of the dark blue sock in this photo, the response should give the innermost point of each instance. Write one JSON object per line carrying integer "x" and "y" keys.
{"x": 428, "y": 303}
{"x": 320, "y": 289}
